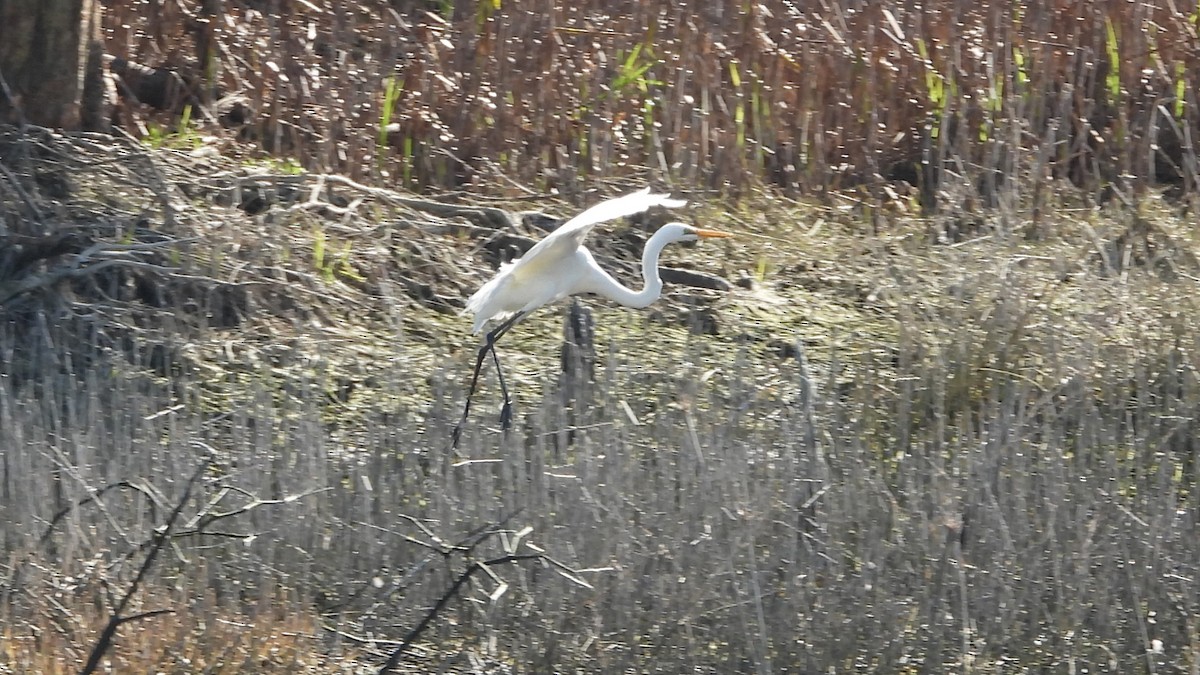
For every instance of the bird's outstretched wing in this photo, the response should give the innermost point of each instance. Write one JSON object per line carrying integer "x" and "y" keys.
{"x": 618, "y": 207}
{"x": 570, "y": 235}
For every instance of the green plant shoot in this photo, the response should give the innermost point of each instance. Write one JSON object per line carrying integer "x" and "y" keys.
{"x": 1113, "y": 80}
{"x": 391, "y": 92}
{"x": 1180, "y": 89}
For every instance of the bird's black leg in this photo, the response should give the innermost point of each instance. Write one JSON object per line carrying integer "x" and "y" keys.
{"x": 506, "y": 410}
{"x": 488, "y": 345}
{"x": 470, "y": 392}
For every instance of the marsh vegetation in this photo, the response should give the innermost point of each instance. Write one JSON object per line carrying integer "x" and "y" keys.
{"x": 945, "y": 426}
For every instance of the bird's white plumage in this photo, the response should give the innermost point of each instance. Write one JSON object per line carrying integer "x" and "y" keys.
{"x": 559, "y": 265}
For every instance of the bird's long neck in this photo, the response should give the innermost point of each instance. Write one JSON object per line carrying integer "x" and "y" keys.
{"x": 653, "y": 284}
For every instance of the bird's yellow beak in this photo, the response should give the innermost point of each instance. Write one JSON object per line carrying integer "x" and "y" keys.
{"x": 710, "y": 234}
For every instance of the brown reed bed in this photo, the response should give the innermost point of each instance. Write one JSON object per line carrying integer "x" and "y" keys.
{"x": 997, "y": 96}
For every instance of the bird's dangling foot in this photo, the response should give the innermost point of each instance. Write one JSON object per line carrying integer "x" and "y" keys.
{"x": 506, "y": 416}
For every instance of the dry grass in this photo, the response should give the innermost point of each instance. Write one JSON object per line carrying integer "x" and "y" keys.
{"x": 945, "y": 429}
{"x": 56, "y": 634}
{"x": 988, "y": 96}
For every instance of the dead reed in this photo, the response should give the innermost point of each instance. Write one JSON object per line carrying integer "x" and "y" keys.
{"x": 996, "y": 96}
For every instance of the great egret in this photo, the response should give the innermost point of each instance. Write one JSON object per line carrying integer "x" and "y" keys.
{"x": 560, "y": 266}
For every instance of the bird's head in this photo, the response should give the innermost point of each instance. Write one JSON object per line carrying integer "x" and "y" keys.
{"x": 682, "y": 232}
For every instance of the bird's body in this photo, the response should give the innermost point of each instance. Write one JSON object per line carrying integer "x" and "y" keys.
{"x": 524, "y": 285}
{"x": 560, "y": 265}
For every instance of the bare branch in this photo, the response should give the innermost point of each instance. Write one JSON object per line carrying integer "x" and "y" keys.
{"x": 93, "y": 496}
{"x": 406, "y": 642}
{"x": 115, "y": 620}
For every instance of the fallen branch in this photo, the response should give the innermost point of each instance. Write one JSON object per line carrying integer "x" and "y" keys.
{"x": 87, "y": 262}
{"x": 694, "y": 279}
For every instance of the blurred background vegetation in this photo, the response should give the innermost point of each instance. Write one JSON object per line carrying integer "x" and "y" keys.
{"x": 718, "y": 94}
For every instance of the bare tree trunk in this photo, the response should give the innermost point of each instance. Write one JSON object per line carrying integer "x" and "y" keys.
{"x": 44, "y": 62}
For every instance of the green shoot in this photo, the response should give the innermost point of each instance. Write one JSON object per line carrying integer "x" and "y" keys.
{"x": 935, "y": 87}
{"x": 330, "y": 266}
{"x": 1180, "y": 89}
{"x": 739, "y": 110}
{"x": 1019, "y": 61}
{"x": 760, "y": 270}
{"x": 1113, "y": 80}
{"x": 633, "y": 71}
{"x": 391, "y": 92}
{"x": 582, "y": 109}
{"x": 185, "y": 136}
{"x": 485, "y": 11}
{"x": 633, "y": 76}
{"x": 185, "y": 119}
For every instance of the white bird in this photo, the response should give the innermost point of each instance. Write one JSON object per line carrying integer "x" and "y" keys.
{"x": 560, "y": 266}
